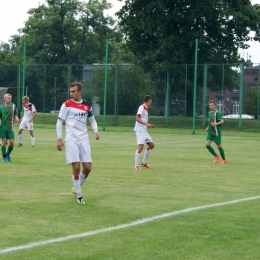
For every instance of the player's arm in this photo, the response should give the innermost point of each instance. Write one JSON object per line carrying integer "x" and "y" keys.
{"x": 33, "y": 116}
{"x": 16, "y": 118}
{"x": 59, "y": 134}
{"x": 220, "y": 120}
{"x": 139, "y": 120}
{"x": 93, "y": 123}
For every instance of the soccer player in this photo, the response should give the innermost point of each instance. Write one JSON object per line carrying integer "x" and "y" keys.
{"x": 214, "y": 132}
{"x": 27, "y": 120}
{"x": 142, "y": 135}
{"x": 75, "y": 112}
{"x": 8, "y": 115}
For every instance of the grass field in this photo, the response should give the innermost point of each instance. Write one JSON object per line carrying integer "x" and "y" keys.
{"x": 183, "y": 207}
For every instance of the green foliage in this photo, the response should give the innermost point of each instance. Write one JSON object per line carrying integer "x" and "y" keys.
{"x": 67, "y": 32}
{"x": 252, "y": 105}
{"x": 126, "y": 87}
{"x": 221, "y": 26}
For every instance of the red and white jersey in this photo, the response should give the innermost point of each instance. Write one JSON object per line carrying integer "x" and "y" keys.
{"x": 143, "y": 113}
{"x": 28, "y": 110}
{"x": 75, "y": 115}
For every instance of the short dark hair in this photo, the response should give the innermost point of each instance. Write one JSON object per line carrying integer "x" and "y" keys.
{"x": 212, "y": 101}
{"x": 147, "y": 98}
{"x": 76, "y": 84}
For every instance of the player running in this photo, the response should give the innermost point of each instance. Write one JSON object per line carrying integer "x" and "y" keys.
{"x": 214, "y": 132}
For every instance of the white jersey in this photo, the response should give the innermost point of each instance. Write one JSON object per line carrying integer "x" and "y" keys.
{"x": 75, "y": 115}
{"x": 28, "y": 109}
{"x": 143, "y": 113}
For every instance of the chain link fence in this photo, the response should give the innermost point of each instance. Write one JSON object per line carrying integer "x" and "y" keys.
{"x": 179, "y": 98}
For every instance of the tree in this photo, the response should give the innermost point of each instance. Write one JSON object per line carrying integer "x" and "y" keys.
{"x": 221, "y": 27}
{"x": 162, "y": 35}
{"x": 68, "y": 32}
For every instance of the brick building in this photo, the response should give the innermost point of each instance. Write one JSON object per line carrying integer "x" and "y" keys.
{"x": 251, "y": 76}
{"x": 227, "y": 101}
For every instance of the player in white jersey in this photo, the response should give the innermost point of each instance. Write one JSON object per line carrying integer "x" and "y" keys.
{"x": 29, "y": 112}
{"x": 142, "y": 135}
{"x": 75, "y": 113}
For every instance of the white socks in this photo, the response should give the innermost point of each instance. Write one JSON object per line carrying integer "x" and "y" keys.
{"x": 20, "y": 138}
{"x": 82, "y": 178}
{"x": 33, "y": 140}
{"x": 137, "y": 157}
{"x": 146, "y": 155}
{"x": 76, "y": 183}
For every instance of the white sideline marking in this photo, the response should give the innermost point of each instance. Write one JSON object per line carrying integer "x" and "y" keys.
{"x": 132, "y": 224}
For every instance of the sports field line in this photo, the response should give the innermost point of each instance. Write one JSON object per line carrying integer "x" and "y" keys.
{"x": 132, "y": 224}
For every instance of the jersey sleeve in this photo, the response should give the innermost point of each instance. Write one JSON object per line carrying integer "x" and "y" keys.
{"x": 140, "y": 111}
{"x": 63, "y": 112}
{"x": 90, "y": 113}
{"x": 33, "y": 108}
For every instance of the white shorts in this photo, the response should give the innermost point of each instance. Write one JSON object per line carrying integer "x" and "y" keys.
{"x": 143, "y": 137}
{"x": 26, "y": 123}
{"x": 78, "y": 151}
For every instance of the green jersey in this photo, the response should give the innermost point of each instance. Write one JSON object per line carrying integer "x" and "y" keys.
{"x": 7, "y": 116}
{"x": 214, "y": 116}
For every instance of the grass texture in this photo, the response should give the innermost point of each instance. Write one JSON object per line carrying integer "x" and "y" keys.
{"x": 36, "y": 204}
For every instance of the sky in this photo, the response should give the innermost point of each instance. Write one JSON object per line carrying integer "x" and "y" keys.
{"x": 13, "y": 14}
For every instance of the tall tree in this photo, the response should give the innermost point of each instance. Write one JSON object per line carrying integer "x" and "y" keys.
{"x": 221, "y": 27}
{"x": 68, "y": 31}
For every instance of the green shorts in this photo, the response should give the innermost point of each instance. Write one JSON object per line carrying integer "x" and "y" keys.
{"x": 6, "y": 134}
{"x": 216, "y": 139}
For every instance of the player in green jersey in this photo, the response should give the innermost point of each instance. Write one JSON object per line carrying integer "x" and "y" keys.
{"x": 214, "y": 132}
{"x": 7, "y": 117}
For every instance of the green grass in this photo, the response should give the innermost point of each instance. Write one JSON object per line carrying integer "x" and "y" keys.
{"x": 36, "y": 203}
{"x": 160, "y": 121}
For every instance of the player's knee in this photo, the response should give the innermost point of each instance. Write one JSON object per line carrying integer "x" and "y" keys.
{"x": 151, "y": 146}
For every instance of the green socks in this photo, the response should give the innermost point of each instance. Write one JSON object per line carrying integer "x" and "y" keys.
{"x": 3, "y": 149}
{"x": 222, "y": 153}
{"x": 211, "y": 150}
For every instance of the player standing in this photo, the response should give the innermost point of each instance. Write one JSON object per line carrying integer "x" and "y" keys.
{"x": 75, "y": 113}
{"x": 8, "y": 115}
{"x": 214, "y": 132}
{"x": 27, "y": 120}
{"x": 142, "y": 135}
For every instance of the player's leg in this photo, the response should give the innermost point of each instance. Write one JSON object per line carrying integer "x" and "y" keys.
{"x": 85, "y": 172}
{"x": 210, "y": 149}
{"x": 86, "y": 159}
{"x": 138, "y": 155}
{"x": 11, "y": 145}
{"x": 140, "y": 138}
{"x": 30, "y": 128}
{"x": 32, "y": 138}
{"x": 148, "y": 150}
{"x": 72, "y": 157}
{"x": 3, "y": 146}
{"x": 76, "y": 182}
{"x": 20, "y": 136}
{"x": 222, "y": 153}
